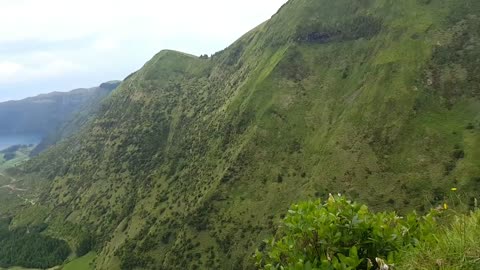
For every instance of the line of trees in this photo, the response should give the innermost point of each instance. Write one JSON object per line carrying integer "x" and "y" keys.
{"x": 31, "y": 249}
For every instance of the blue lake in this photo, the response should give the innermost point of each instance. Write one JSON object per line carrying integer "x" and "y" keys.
{"x": 9, "y": 140}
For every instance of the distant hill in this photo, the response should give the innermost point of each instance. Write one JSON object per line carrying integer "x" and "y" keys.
{"x": 78, "y": 118}
{"x": 45, "y": 114}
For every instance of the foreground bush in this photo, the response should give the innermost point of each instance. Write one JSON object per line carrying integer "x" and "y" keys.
{"x": 340, "y": 234}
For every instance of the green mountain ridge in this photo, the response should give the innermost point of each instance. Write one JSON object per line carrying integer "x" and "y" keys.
{"x": 191, "y": 162}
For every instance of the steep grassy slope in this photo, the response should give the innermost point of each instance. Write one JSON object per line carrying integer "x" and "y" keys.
{"x": 192, "y": 161}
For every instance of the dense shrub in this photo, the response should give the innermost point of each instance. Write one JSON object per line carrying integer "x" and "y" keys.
{"x": 131, "y": 258}
{"x": 85, "y": 245}
{"x": 340, "y": 234}
{"x": 31, "y": 249}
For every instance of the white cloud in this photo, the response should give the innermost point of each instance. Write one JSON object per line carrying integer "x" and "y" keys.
{"x": 88, "y": 41}
{"x": 55, "y": 68}
{"x": 67, "y": 19}
{"x": 8, "y": 70}
{"x": 105, "y": 44}
{"x": 11, "y": 72}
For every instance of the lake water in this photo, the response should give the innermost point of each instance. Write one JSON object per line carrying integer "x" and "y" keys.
{"x": 9, "y": 140}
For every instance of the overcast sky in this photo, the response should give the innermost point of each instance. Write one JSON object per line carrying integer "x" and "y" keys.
{"x": 59, "y": 45}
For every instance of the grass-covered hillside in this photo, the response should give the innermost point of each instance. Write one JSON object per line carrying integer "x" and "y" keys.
{"x": 192, "y": 162}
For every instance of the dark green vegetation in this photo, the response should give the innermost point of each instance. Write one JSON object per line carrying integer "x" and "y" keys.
{"x": 191, "y": 162}
{"x": 340, "y": 234}
{"x": 29, "y": 248}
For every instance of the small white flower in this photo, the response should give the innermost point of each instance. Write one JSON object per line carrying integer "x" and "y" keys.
{"x": 381, "y": 264}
